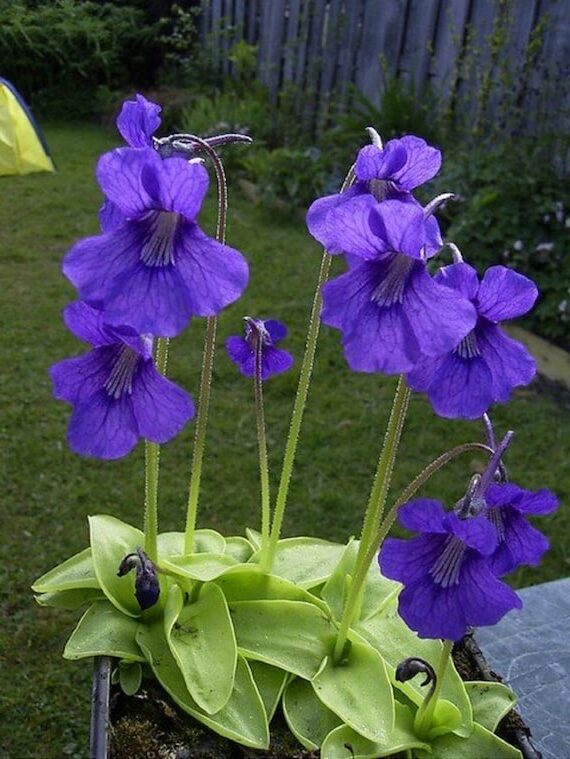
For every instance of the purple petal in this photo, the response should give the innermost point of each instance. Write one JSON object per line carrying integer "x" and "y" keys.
{"x": 103, "y": 427}
{"x": 423, "y": 515}
{"x": 458, "y": 388}
{"x": 214, "y": 274}
{"x": 400, "y": 226}
{"x": 477, "y": 532}
{"x": 277, "y": 330}
{"x": 520, "y": 544}
{"x": 110, "y": 216}
{"x": 510, "y": 363}
{"x": 275, "y": 361}
{"x": 321, "y": 218}
{"x": 440, "y": 317}
{"x": 174, "y": 184}
{"x": 94, "y": 263}
{"x": 119, "y": 174}
{"x": 505, "y": 294}
{"x": 432, "y": 611}
{"x": 422, "y": 163}
{"x": 410, "y": 560}
{"x": 138, "y": 121}
{"x": 352, "y": 220}
{"x": 150, "y": 299}
{"x": 375, "y": 338}
{"x": 460, "y": 277}
{"x": 160, "y": 407}
{"x": 434, "y": 241}
{"x": 78, "y": 379}
{"x": 380, "y": 163}
{"x": 238, "y": 349}
{"x": 539, "y": 502}
{"x": 485, "y": 599}
{"x": 86, "y": 323}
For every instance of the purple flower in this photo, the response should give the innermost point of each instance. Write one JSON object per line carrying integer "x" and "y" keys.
{"x": 138, "y": 121}
{"x": 157, "y": 269}
{"x": 391, "y": 313}
{"x": 241, "y": 350}
{"x": 117, "y": 393}
{"x": 382, "y": 173}
{"x": 485, "y": 366}
{"x": 446, "y": 571}
{"x": 508, "y": 507}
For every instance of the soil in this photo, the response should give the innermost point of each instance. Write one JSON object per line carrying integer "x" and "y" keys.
{"x": 150, "y": 726}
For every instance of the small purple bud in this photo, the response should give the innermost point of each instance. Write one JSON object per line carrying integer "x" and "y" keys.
{"x": 147, "y": 588}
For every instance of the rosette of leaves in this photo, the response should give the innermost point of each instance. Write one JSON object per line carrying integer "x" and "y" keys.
{"x": 231, "y": 644}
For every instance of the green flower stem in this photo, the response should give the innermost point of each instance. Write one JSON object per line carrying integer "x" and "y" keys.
{"x": 374, "y": 511}
{"x": 207, "y": 360}
{"x": 200, "y": 434}
{"x": 152, "y": 463}
{"x": 268, "y": 556}
{"x": 424, "y": 715}
{"x": 262, "y": 446}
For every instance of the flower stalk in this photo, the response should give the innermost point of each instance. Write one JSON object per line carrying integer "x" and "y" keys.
{"x": 262, "y": 444}
{"x": 152, "y": 465}
{"x": 374, "y": 510}
{"x": 207, "y": 360}
{"x": 300, "y": 402}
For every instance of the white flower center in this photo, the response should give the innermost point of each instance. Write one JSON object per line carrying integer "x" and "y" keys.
{"x": 158, "y": 248}
{"x": 446, "y": 569}
{"x": 468, "y": 347}
{"x": 120, "y": 378}
{"x": 391, "y": 288}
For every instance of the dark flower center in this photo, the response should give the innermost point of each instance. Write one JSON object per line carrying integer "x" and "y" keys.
{"x": 158, "y": 247}
{"x": 445, "y": 571}
{"x": 468, "y": 347}
{"x": 120, "y": 378}
{"x": 391, "y": 289}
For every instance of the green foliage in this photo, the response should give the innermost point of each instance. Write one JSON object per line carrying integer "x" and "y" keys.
{"x": 401, "y": 111}
{"x": 58, "y": 53}
{"x": 228, "y": 651}
{"x": 514, "y": 209}
{"x": 187, "y": 60}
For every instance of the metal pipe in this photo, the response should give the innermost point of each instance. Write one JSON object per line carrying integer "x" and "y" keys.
{"x": 99, "y": 740}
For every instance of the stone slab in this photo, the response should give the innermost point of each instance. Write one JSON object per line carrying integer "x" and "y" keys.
{"x": 552, "y": 362}
{"x": 530, "y": 648}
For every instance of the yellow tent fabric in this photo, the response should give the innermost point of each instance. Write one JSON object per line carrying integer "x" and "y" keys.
{"x": 22, "y": 149}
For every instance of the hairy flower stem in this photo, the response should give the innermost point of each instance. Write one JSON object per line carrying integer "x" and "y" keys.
{"x": 374, "y": 510}
{"x": 268, "y": 556}
{"x": 424, "y": 715}
{"x": 152, "y": 463}
{"x": 419, "y": 481}
{"x": 262, "y": 445}
{"x": 207, "y": 360}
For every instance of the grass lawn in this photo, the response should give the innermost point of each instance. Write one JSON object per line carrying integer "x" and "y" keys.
{"x": 48, "y": 492}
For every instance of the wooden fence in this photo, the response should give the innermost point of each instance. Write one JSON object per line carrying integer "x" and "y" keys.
{"x": 472, "y": 54}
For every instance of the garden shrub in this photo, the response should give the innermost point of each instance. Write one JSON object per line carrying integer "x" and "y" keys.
{"x": 514, "y": 208}
{"x": 58, "y": 53}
